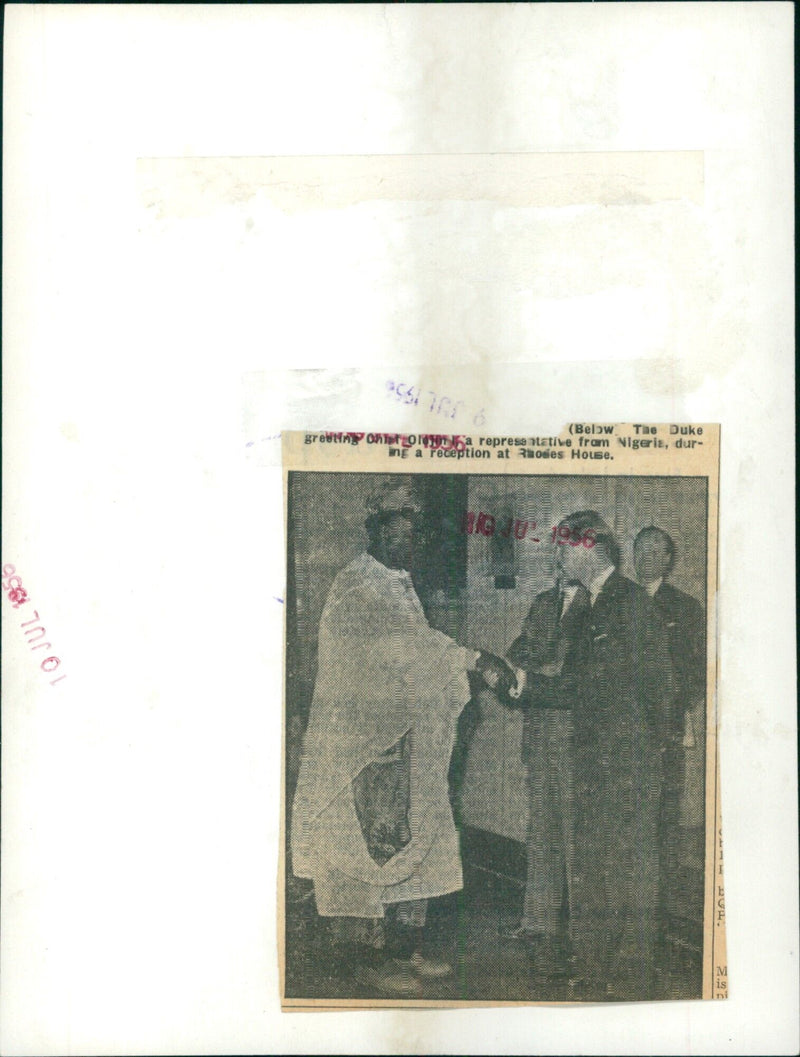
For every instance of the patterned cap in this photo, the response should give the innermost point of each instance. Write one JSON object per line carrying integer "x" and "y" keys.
{"x": 393, "y": 497}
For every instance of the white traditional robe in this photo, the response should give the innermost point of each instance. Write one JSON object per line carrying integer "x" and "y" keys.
{"x": 383, "y": 672}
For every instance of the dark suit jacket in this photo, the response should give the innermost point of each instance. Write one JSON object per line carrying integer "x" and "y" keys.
{"x": 545, "y": 639}
{"x": 685, "y": 625}
{"x": 629, "y": 673}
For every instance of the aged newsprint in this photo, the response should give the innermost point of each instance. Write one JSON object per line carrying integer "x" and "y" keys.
{"x": 501, "y": 776}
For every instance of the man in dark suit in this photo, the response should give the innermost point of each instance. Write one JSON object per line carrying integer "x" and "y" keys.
{"x": 549, "y": 655}
{"x": 622, "y": 720}
{"x": 683, "y": 799}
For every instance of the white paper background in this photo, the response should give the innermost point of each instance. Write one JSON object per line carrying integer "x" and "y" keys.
{"x": 140, "y": 807}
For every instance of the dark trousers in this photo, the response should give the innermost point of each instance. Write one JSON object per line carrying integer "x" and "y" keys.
{"x": 617, "y": 874}
{"x": 551, "y": 840}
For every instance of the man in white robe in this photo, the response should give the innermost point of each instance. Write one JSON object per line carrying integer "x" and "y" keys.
{"x": 372, "y": 824}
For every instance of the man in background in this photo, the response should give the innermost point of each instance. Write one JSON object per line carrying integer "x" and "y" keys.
{"x": 372, "y": 824}
{"x": 683, "y": 799}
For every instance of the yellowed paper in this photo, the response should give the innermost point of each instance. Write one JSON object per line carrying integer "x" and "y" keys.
{"x": 585, "y": 877}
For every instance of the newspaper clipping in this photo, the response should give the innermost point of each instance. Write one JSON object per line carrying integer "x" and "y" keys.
{"x": 501, "y": 777}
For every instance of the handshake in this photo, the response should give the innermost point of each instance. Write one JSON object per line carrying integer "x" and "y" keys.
{"x": 500, "y": 677}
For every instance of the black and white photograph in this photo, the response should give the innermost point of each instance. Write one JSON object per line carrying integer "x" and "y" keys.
{"x": 496, "y": 691}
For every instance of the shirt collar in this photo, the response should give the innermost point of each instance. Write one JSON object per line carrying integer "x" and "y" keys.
{"x": 568, "y": 593}
{"x": 654, "y": 586}
{"x": 597, "y": 584}
{"x": 401, "y": 575}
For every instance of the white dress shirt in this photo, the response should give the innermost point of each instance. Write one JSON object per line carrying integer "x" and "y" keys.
{"x": 570, "y": 590}
{"x": 596, "y": 585}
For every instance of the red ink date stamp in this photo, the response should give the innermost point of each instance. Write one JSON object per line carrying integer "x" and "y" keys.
{"x": 18, "y": 596}
{"x": 486, "y": 525}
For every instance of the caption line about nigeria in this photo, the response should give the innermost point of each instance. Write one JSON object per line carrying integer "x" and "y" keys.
{"x": 586, "y": 441}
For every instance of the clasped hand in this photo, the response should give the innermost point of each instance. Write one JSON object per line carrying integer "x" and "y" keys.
{"x": 499, "y": 675}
